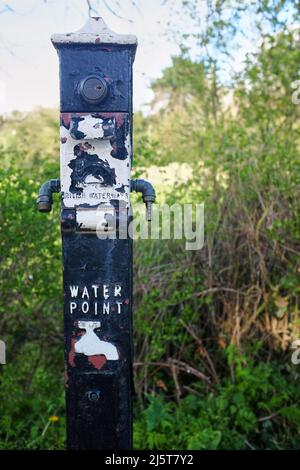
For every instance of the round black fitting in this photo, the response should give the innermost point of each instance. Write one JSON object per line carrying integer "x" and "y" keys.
{"x": 93, "y": 89}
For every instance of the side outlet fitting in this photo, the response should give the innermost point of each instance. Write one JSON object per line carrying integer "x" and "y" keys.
{"x": 45, "y": 200}
{"x": 148, "y": 194}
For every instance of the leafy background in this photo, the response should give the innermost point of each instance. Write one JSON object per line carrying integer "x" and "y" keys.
{"x": 212, "y": 328}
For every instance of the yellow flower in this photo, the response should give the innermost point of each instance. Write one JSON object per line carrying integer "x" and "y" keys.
{"x": 53, "y": 419}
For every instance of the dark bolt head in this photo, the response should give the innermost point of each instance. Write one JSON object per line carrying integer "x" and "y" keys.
{"x": 93, "y": 395}
{"x": 93, "y": 89}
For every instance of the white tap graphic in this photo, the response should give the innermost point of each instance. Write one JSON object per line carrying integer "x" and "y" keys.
{"x": 91, "y": 345}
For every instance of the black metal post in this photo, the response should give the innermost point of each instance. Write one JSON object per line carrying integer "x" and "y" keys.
{"x": 95, "y": 184}
{"x": 96, "y": 128}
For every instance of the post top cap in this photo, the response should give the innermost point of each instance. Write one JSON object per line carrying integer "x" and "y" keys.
{"x": 95, "y": 31}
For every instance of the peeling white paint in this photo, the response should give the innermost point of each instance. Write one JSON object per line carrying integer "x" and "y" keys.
{"x": 93, "y": 190}
{"x": 92, "y": 127}
{"x": 95, "y": 31}
{"x": 91, "y": 345}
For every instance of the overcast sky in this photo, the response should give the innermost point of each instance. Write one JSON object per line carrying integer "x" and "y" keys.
{"x": 28, "y": 61}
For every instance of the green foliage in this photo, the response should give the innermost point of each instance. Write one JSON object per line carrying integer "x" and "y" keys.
{"x": 32, "y": 416}
{"x": 249, "y": 412}
{"x": 31, "y": 139}
{"x": 31, "y": 384}
{"x": 30, "y": 273}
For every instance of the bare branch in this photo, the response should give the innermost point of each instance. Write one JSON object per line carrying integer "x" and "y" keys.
{"x": 91, "y": 9}
{"x": 6, "y": 9}
{"x": 181, "y": 366}
{"x": 114, "y": 13}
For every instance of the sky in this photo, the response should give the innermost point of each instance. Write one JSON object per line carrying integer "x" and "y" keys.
{"x": 29, "y": 63}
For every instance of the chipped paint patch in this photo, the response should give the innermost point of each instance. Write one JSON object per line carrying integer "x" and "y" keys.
{"x": 97, "y": 361}
{"x": 92, "y": 127}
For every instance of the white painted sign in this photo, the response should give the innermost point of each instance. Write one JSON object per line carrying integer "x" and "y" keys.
{"x": 91, "y": 345}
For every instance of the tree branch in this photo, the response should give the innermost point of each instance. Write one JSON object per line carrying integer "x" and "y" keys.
{"x": 114, "y": 13}
{"x": 91, "y": 9}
